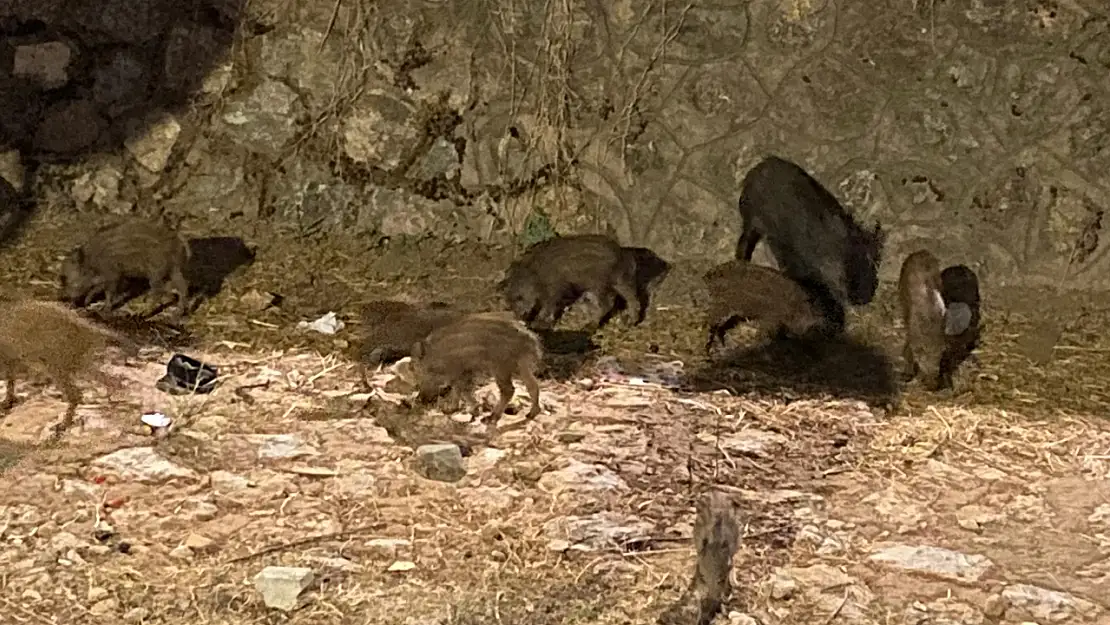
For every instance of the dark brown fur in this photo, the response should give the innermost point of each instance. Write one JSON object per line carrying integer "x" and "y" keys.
{"x": 553, "y": 274}
{"x": 716, "y": 538}
{"x": 479, "y": 345}
{"x": 814, "y": 239}
{"x": 740, "y": 291}
{"x": 919, "y": 295}
{"x": 53, "y": 339}
{"x": 391, "y": 327}
{"x": 131, "y": 248}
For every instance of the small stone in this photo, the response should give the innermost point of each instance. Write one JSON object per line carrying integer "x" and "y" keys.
{"x": 181, "y": 552}
{"x": 96, "y": 593}
{"x": 586, "y": 384}
{"x": 281, "y": 586}
{"x": 64, "y": 541}
{"x": 228, "y": 482}
{"x": 782, "y": 586}
{"x": 46, "y": 62}
{"x": 386, "y": 548}
{"x": 582, "y": 477}
{"x": 570, "y": 436}
{"x": 995, "y": 606}
{"x": 104, "y": 607}
{"x": 199, "y": 543}
{"x": 142, "y": 464}
{"x": 136, "y": 615}
{"x": 443, "y": 462}
{"x": 739, "y": 618}
{"x": 198, "y": 510}
{"x": 284, "y": 446}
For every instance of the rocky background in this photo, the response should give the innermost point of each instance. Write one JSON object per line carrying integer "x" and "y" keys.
{"x": 981, "y": 127}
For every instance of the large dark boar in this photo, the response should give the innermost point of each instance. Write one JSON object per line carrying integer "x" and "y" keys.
{"x": 476, "y": 346}
{"x": 959, "y": 286}
{"x": 131, "y": 248}
{"x": 740, "y": 291}
{"x": 815, "y": 241}
{"x": 52, "y": 339}
{"x": 923, "y": 309}
{"x": 391, "y": 327}
{"x": 553, "y": 274}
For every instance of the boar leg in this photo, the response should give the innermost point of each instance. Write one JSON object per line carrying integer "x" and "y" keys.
{"x": 179, "y": 285}
{"x": 533, "y": 385}
{"x": 745, "y": 245}
{"x": 911, "y": 368}
{"x": 73, "y": 398}
{"x": 505, "y": 386}
{"x": 9, "y": 396}
{"x": 627, "y": 291}
{"x": 718, "y": 330}
{"x": 608, "y": 305}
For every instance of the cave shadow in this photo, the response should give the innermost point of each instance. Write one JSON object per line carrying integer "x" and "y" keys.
{"x": 15, "y": 208}
{"x": 842, "y": 367}
{"x": 87, "y": 79}
{"x": 212, "y": 260}
{"x": 566, "y": 352}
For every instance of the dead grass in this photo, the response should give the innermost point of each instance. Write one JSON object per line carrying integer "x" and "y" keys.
{"x": 480, "y": 548}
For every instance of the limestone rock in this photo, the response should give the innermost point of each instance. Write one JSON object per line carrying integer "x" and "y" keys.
{"x": 265, "y": 119}
{"x": 581, "y": 477}
{"x": 440, "y": 462}
{"x": 379, "y": 131}
{"x": 281, "y": 586}
{"x": 283, "y": 446}
{"x": 603, "y": 530}
{"x": 937, "y": 561}
{"x": 11, "y": 169}
{"x": 69, "y": 127}
{"x": 1048, "y": 606}
{"x": 142, "y": 464}
{"x": 46, "y": 62}
{"x": 152, "y": 141}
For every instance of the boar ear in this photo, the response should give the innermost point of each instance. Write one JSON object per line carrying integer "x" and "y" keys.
{"x": 418, "y": 350}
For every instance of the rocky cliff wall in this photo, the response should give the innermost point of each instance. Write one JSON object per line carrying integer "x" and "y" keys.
{"x": 980, "y": 127}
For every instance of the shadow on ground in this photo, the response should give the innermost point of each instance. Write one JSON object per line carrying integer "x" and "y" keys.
{"x": 566, "y": 352}
{"x": 145, "y": 331}
{"x": 843, "y": 368}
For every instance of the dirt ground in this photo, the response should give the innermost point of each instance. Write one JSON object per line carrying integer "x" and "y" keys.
{"x": 847, "y": 481}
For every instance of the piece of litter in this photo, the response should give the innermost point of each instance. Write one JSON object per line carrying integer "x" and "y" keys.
{"x": 401, "y": 566}
{"x": 186, "y": 375}
{"x": 327, "y": 324}
{"x": 156, "y": 420}
{"x": 314, "y": 471}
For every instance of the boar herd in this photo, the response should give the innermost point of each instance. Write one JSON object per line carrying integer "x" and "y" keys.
{"x": 827, "y": 263}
